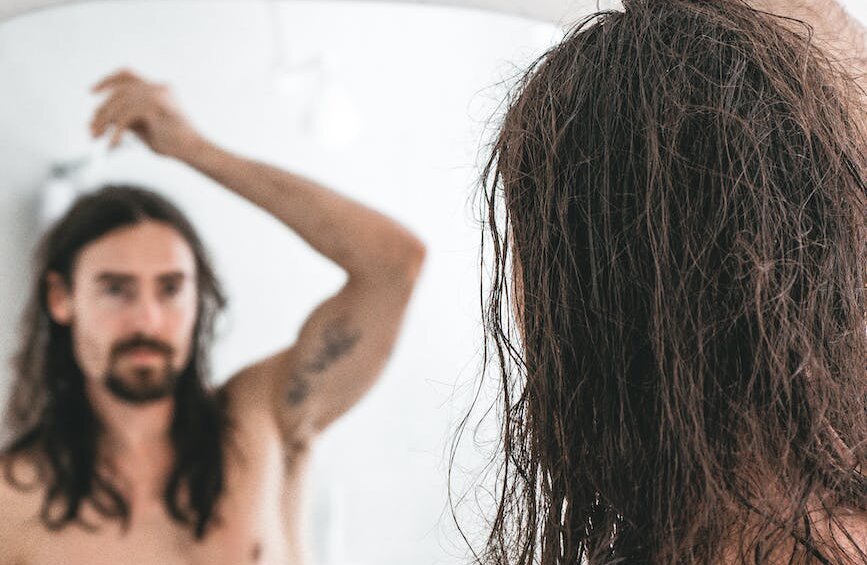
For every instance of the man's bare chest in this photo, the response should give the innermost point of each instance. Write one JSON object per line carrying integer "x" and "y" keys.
{"x": 255, "y": 524}
{"x": 152, "y": 536}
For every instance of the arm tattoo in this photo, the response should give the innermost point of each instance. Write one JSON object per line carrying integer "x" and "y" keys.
{"x": 337, "y": 341}
{"x": 298, "y": 389}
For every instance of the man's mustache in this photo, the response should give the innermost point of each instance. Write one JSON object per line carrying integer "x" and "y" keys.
{"x": 143, "y": 342}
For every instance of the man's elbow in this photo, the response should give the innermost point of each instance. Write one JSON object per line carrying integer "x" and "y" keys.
{"x": 409, "y": 260}
{"x": 401, "y": 260}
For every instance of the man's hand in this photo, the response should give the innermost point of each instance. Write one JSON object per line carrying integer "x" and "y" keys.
{"x": 145, "y": 108}
{"x": 841, "y": 35}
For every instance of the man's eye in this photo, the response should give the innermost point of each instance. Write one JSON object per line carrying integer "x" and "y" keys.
{"x": 171, "y": 289}
{"x": 115, "y": 290}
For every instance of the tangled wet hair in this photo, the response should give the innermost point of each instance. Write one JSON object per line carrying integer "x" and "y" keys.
{"x": 49, "y": 414}
{"x": 675, "y": 204}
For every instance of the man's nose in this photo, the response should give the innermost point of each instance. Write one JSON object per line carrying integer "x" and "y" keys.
{"x": 147, "y": 314}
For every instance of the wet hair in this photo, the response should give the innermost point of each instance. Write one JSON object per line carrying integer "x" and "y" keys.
{"x": 49, "y": 413}
{"x": 681, "y": 185}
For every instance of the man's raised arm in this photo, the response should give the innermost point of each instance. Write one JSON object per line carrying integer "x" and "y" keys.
{"x": 345, "y": 342}
{"x": 841, "y": 36}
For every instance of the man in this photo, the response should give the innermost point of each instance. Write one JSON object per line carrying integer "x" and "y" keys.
{"x": 122, "y": 453}
{"x": 680, "y": 190}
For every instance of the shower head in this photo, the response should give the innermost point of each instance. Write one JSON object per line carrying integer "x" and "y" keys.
{"x": 69, "y": 179}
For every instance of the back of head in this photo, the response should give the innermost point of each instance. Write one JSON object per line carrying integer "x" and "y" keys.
{"x": 683, "y": 191}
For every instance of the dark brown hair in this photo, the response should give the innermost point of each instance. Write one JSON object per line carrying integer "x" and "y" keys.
{"x": 49, "y": 412}
{"x": 682, "y": 186}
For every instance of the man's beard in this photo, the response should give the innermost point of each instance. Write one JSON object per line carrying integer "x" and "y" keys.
{"x": 146, "y": 383}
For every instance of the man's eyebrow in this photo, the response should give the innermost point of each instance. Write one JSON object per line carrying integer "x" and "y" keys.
{"x": 173, "y": 277}
{"x": 110, "y": 277}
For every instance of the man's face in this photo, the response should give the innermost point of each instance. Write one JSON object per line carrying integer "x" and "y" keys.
{"x": 131, "y": 309}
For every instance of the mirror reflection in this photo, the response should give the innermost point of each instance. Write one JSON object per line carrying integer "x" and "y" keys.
{"x": 371, "y": 117}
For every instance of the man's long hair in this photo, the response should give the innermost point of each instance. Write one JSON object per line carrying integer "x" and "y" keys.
{"x": 49, "y": 413}
{"x": 680, "y": 188}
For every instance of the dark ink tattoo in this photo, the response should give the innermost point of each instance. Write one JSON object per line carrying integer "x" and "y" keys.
{"x": 256, "y": 553}
{"x": 298, "y": 389}
{"x": 337, "y": 341}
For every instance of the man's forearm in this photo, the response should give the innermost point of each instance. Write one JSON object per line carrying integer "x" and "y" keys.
{"x": 362, "y": 241}
{"x": 837, "y": 32}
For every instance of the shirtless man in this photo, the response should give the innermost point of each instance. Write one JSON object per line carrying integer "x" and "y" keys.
{"x": 121, "y": 453}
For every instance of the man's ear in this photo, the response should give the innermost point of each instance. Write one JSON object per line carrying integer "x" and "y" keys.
{"x": 58, "y": 298}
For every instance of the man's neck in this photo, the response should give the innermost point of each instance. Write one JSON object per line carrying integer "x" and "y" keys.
{"x": 135, "y": 443}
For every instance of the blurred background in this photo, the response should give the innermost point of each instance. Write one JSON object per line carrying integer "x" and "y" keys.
{"x": 389, "y": 103}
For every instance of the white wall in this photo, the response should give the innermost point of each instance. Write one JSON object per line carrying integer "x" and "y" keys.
{"x": 422, "y": 80}
{"x": 543, "y": 10}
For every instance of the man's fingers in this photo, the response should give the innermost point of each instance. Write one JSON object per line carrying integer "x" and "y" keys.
{"x": 115, "y": 79}
{"x": 107, "y": 113}
{"x": 118, "y": 134}
{"x": 120, "y": 126}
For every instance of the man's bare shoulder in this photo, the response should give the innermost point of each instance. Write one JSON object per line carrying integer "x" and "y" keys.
{"x": 251, "y": 401}
{"x": 250, "y": 398}
{"x": 21, "y": 493}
